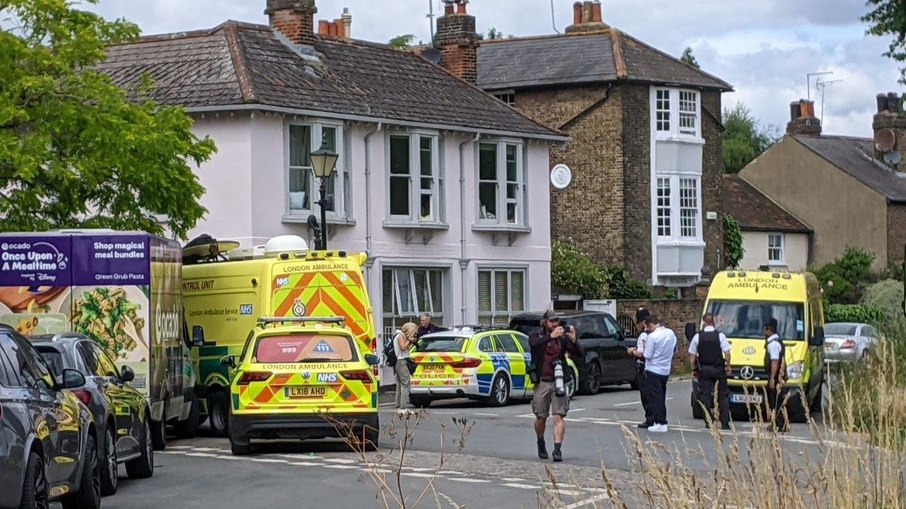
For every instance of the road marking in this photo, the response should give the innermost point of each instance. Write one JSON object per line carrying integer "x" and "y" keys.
{"x": 229, "y": 458}
{"x": 450, "y": 472}
{"x": 340, "y": 460}
{"x": 481, "y": 414}
{"x": 628, "y": 403}
{"x": 590, "y": 501}
{"x": 306, "y": 464}
{"x": 521, "y": 486}
{"x": 576, "y": 409}
{"x": 267, "y": 460}
{"x": 419, "y": 469}
{"x": 569, "y": 493}
{"x": 200, "y": 455}
{"x": 513, "y": 479}
{"x": 418, "y": 474}
{"x": 341, "y": 467}
{"x": 181, "y": 447}
{"x": 464, "y": 479}
{"x": 376, "y": 470}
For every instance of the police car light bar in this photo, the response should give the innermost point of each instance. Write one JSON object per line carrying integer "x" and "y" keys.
{"x": 301, "y": 319}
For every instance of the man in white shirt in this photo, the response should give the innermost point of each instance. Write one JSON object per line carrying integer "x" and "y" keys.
{"x": 658, "y": 354}
{"x": 775, "y": 365}
{"x": 709, "y": 355}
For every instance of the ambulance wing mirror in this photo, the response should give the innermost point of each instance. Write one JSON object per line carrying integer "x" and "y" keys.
{"x": 690, "y": 331}
{"x": 817, "y": 338}
{"x": 197, "y": 335}
{"x": 228, "y": 361}
{"x": 372, "y": 360}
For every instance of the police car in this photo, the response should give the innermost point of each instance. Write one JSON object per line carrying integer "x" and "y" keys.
{"x": 302, "y": 378}
{"x": 475, "y": 362}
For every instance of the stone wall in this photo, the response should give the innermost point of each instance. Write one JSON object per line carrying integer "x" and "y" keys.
{"x": 896, "y": 232}
{"x": 636, "y": 141}
{"x": 712, "y": 183}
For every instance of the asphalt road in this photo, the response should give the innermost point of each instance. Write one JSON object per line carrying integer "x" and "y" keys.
{"x": 496, "y": 467}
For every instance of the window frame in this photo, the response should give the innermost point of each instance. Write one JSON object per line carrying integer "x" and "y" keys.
{"x": 340, "y": 178}
{"x": 438, "y": 312}
{"x": 672, "y": 116}
{"x": 507, "y": 97}
{"x": 502, "y": 182}
{"x": 494, "y": 314}
{"x": 781, "y": 249}
{"x": 676, "y": 228}
{"x": 415, "y": 178}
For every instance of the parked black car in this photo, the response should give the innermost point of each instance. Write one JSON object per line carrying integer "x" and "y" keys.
{"x": 118, "y": 410}
{"x": 48, "y": 442}
{"x": 606, "y": 360}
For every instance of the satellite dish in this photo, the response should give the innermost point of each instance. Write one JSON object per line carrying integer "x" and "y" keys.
{"x": 885, "y": 139}
{"x": 204, "y": 249}
{"x": 892, "y": 157}
{"x": 431, "y": 55}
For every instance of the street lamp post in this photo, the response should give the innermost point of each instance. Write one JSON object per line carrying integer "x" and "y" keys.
{"x": 323, "y": 162}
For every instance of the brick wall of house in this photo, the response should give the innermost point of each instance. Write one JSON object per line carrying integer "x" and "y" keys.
{"x": 674, "y": 314}
{"x": 896, "y": 233}
{"x": 712, "y": 175}
{"x": 589, "y": 213}
{"x": 636, "y": 140}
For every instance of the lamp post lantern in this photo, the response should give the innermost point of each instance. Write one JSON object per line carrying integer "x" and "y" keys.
{"x": 323, "y": 162}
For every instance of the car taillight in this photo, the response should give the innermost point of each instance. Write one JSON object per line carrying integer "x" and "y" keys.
{"x": 468, "y": 362}
{"x": 361, "y": 376}
{"x": 254, "y": 376}
{"x": 849, "y": 343}
{"x": 83, "y": 395}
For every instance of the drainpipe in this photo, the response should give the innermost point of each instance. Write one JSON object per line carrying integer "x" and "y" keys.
{"x": 463, "y": 261}
{"x": 368, "y": 234}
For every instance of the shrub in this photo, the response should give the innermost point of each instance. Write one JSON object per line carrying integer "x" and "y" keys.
{"x": 887, "y": 296}
{"x": 733, "y": 241}
{"x": 845, "y": 278}
{"x": 853, "y": 313}
{"x": 621, "y": 285}
{"x": 574, "y": 271}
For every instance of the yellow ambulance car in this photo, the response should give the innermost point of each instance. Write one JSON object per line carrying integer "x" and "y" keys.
{"x": 742, "y": 302}
{"x": 225, "y": 293}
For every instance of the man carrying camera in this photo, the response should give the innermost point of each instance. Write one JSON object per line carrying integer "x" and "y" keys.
{"x": 549, "y": 348}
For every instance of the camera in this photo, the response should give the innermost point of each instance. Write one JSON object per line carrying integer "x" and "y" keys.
{"x": 559, "y": 382}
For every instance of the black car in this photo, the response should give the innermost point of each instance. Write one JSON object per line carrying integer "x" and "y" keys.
{"x": 48, "y": 441}
{"x": 117, "y": 409}
{"x": 606, "y": 360}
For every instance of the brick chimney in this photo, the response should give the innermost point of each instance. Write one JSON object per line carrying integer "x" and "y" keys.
{"x": 294, "y": 19}
{"x": 587, "y": 18}
{"x": 457, "y": 40}
{"x": 890, "y": 131}
{"x": 802, "y": 119}
{"x": 338, "y": 29}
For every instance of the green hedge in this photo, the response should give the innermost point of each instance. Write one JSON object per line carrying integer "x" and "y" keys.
{"x": 574, "y": 271}
{"x": 620, "y": 285}
{"x": 853, "y": 313}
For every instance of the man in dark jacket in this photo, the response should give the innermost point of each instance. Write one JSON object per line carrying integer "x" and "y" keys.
{"x": 426, "y": 327}
{"x": 549, "y": 347}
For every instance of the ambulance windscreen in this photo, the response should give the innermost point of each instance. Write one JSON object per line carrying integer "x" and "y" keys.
{"x": 741, "y": 319}
{"x": 305, "y": 348}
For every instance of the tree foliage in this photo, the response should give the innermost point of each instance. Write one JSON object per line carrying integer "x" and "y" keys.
{"x": 620, "y": 285}
{"x": 733, "y": 241}
{"x": 853, "y": 313}
{"x": 75, "y": 150}
{"x": 743, "y": 138}
{"x": 402, "y": 41}
{"x": 574, "y": 271}
{"x": 888, "y": 18}
{"x": 845, "y": 279}
{"x": 689, "y": 58}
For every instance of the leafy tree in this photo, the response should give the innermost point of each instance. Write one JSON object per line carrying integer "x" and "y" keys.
{"x": 733, "y": 241}
{"x": 402, "y": 41}
{"x": 886, "y": 295}
{"x": 689, "y": 58}
{"x": 75, "y": 150}
{"x": 844, "y": 280}
{"x": 620, "y": 285}
{"x": 888, "y": 18}
{"x": 573, "y": 271}
{"x": 743, "y": 138}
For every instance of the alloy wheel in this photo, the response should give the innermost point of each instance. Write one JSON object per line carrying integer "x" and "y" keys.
{"x": 502, "y": 391}
{"x": 110, "y": 447}
{"x": 40, "y": 481}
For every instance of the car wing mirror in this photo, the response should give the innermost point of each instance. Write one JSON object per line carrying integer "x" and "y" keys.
{"x": 127, "y": 374}
{"x": 229, "y": 361}
{"x": 72, "y": 379}
{"x": 372, "y": 360}
{"x": 197, "y": 335}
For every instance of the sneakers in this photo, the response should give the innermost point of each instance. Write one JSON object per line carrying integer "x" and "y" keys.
{"x": 542, "y": 449}
{"x": 658, "y": 428}
{"x": 405, "y": 411}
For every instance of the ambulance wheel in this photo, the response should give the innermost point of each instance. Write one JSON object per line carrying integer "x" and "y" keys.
{"x": 240, "y": 446}
{"x": 420, "y": 401}
{"x": 500, "y": 391}
{"x": 219, "y": 413}
{"x": 189, "y": 427}
{"x": 159, "y": 432}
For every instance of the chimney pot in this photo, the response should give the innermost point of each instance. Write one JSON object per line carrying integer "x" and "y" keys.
{"x": 882, "y": 102}
{"x": 596, "y": 15}
{"x": 795, "y": 111}
{"x": 347, "y": 23}
{"x": 577, "y": 13}
{"x": 586, "y": 12}
{"x": 893, "y": 102}
{"x": 324, "y": 29}
{"x": 448, "y": 8}
{"x": 802, "y": 119}
{"x": 461, "y": 6}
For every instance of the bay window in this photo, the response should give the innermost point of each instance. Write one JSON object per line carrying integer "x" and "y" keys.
{"x": 303, "y": 186}
{"x": 677, "y": 113}
{"x": 678, "y": 207}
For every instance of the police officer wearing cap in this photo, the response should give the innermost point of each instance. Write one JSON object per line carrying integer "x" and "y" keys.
{"x": 709, "y": 355}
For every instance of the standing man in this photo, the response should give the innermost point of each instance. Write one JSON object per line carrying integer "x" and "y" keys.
{"x": 658, "y": 354}
{"x": 775, "y": 365}
{"x": 641, "y": 325}
{"x": 426, "y": 327}
{"x": 549, "y": 347}
{"x": 709, "y": 355}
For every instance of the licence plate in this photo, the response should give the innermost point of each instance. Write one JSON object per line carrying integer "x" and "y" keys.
{"x": 305, "y": 392}
{"x": 431, "y": 368}
{"x": 745, "y": 398}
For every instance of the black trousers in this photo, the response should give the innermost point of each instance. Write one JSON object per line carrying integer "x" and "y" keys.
{"x": 707, "y": 377}
{"x": 776, "y": 402}
{"x": 643, "y": 394}
{"x": 657, "y": 396}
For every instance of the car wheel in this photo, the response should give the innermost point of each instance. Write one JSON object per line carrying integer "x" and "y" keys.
{"x": 159, "y": 432}
{"x": 240, "y": 446}
{"x": 420, "y": 400}
{"x": 500, "y": 392}
{"x": 110, "y": 478}
{"x": 34, "y": 489}
{"x": 572, "y": 384}
{"x": 89, "y": 494}
{"x": 817, "y": 404}
{"x": 592, "y": 379}
{"x": 189, "y": 427}
{"x": 219, "y": 413}
{"x": 143, "y": 466}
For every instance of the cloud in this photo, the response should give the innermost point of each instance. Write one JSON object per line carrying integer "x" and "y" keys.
{"x": 764, "y": 48}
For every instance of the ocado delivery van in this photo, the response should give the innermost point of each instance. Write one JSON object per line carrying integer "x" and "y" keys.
{"x": 228, "y": 289}
{"x": 742, "y": 302}
{"x": 121, "y": 289}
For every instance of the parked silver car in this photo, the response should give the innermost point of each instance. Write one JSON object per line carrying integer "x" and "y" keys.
{"x": 848, "y": 341}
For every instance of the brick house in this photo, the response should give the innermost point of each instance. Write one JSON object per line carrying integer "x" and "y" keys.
{"x": 851, "y": 191}
{"x": 645, "y": 148}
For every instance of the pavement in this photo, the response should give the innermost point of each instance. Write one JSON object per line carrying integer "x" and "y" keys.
{"x": 472, "y": 455}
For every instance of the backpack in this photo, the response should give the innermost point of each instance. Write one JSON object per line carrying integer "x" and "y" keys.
{"x": 390, "y": 352}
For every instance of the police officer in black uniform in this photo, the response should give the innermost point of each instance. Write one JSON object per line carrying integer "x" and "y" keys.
{"x": 709, "y": 355}
{"x": 775, "y": 365}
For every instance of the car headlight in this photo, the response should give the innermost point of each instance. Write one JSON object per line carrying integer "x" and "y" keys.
{"x": 795, "y": 370}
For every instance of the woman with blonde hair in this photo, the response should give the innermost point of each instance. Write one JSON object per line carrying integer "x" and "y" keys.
{"x": 403, "y": 339}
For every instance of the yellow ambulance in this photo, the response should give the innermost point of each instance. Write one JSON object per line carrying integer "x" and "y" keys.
{"x": 742, "y": 302}
{"x": 227, "y": 289}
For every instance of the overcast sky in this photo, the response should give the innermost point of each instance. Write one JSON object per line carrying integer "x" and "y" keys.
{"x": 764, "y": 48}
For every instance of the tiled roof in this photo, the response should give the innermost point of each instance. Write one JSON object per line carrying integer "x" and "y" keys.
{"x": 239, "y": 63}
{"x": 756, "y": 212}
{"x": 608, "y": 55}
{"x": 855, "y": 156}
